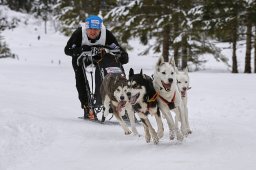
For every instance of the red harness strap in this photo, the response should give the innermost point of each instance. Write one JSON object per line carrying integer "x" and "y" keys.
{"x": 172, "y": 101}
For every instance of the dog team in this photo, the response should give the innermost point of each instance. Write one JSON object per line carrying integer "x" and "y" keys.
{"x": 144, "y": 96}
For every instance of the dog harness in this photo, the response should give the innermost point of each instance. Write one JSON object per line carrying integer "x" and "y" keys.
{"x": 171, "y": 103}
{"x": 153, "y": 98}
{"x": 150, "y": 103}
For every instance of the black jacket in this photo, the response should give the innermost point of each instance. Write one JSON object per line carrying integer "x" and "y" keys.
{"x": 76, "y": 39}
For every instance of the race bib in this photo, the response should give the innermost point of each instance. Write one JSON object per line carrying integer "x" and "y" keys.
{"x": 113, "y": 70}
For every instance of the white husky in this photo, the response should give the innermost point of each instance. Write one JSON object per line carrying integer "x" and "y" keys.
{"x": 183, "y": 86}
{"x": 169, "y": 97}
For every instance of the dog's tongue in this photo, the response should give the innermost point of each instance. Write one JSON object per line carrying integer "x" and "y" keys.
{"x": 183, "y": 93}
{"x": 133, "y": 99}
{"x": 167, "y": 86}
{"x": 120, "y": 105}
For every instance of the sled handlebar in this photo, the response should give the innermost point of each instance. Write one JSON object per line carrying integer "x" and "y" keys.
{"x": 96, "y": 50}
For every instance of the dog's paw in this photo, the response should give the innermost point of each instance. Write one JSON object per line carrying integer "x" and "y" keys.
{"x": 180, "y": 136}
{"x": 127, "y": 132}
{"x": 147, "y": 138}
{"x": 185, "y": 132}
{"x": 134, "y": 131}
{"x": 155, "y": 139}
{"x": 189, "y": 131}
{"x": 172, "y": 134}
{"x": 137, "y": 134}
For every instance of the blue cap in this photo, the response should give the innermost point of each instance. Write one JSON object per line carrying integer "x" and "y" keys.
{"x": 93, "y": 22}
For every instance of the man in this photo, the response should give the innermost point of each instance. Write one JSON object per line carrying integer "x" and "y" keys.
{"x": 92, "y": 33}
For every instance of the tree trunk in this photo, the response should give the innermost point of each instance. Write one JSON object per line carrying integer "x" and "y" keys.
{"x": 247, "y": 68}
{"x": 45, "y": 26}
{"x": 234, "y": 57}
{"x": 255, "y": 49}
{"x": 166, "y": 42}
{"x": 176, "y": 45}
{"x": 176, "y": 54}
{"x": 184, "y": 52}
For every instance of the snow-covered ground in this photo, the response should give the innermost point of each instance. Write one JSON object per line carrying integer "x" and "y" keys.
{"x": 39, "y": 128}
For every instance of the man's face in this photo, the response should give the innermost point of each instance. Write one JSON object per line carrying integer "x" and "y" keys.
{"x": 92, "y": 33}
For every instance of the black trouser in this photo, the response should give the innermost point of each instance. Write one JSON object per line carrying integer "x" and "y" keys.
{"x": 80, "y": 83}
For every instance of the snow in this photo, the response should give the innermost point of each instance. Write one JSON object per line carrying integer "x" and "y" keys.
{"x": 39, "y": 128}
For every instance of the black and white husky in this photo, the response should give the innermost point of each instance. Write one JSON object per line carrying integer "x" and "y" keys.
{"x": 113, "y": 93}
{"x": 143, "y": 98}
{"x": 169, "y": 97}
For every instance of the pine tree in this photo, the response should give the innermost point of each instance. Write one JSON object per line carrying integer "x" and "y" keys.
{"x": 249, "y": 19}
{"x": 147, "y": 19}
{"x": 20, "y": 5}
{"x": 224, "y": 22}
{"x": 255, "y": 48}
{"x": 4, "y": 50}
{"x": 73, "y": 12}
{"x": 247, "y": 68}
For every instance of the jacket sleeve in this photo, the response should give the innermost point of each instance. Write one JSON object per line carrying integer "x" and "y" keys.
{"x": 111, "y": 41}
{"x": 74, "y": 42}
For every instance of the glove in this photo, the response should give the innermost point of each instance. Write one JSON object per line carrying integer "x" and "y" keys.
{"x": 123, "y": 58}
{"x": 97, "y": 57}
{"x": 102, "y": 51}
{"x": 77, "y": 51}
{"x": 99, "y": 53}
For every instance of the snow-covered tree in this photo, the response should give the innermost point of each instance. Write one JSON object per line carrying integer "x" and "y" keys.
{"x": 4, "y": 50}
{"x": 73, "y": 12}
{"x": 174, "y": 25}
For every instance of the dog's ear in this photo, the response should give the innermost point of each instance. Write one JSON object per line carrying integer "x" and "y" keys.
{"x": 143, "y": 75}
{"x": 141, "y": 72}
{"x": 160, "y": 61}
{"x": 131, "y": 73}
{"x": 172, "y": 61}
{"x": 186, "y": 70}
{"x": 176, "y": 70}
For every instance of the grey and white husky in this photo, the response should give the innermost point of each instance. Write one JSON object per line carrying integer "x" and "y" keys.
{"x": 113, "y": 93}
{"x": 169, "y": 97}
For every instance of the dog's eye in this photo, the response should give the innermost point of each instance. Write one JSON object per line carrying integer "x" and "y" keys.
{"x": 179, "y": 82}
{"x": 186, "y": 82}
{"x": 118, "y": 90}
{"x": 171, "y": 73}
{"x": 163, "y": 73}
